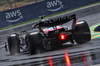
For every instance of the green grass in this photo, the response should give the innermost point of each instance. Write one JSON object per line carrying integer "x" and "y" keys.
{"x": 30, "y": 21}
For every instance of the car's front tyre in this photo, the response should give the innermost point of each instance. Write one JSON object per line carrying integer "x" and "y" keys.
{"x": 14, "y": 44}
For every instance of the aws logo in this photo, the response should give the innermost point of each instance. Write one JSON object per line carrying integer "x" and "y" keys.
{"x": 54, "y": 5}
{"x": 14, "y": 16}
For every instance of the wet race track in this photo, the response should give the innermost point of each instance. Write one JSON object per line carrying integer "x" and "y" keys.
{"x": 70, "y": 55}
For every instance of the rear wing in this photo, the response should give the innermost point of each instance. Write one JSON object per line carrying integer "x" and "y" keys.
{"x": 55, "y": 21}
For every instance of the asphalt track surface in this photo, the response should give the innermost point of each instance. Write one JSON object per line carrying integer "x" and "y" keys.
{"x": 80, "y": 55}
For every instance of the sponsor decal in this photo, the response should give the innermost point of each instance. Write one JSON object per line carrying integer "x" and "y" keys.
{"x": 13, "y": 16}
{"x": 54, "y": 5}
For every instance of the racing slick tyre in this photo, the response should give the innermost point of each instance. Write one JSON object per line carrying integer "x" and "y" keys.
{"x": 82, "y": 32}
{"x": 35, "y": 43}
{"x": 14, "y": 44}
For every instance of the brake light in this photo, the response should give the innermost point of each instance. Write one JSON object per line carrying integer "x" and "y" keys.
{"x": 62, "y": 36}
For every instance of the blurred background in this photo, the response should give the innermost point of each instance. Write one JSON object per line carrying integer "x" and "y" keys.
{"x": 10, "y": 4}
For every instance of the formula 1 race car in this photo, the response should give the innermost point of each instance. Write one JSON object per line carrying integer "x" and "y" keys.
{"x": 48, "y": 34}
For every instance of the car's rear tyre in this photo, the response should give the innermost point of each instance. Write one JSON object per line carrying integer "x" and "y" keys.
{"x": 14, "y": 44}
{"x": 35, "y": 43}
{"x": 82, "y": 32}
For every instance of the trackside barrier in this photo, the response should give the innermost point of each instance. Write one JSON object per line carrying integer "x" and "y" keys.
{"x": 33, "y": 11}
